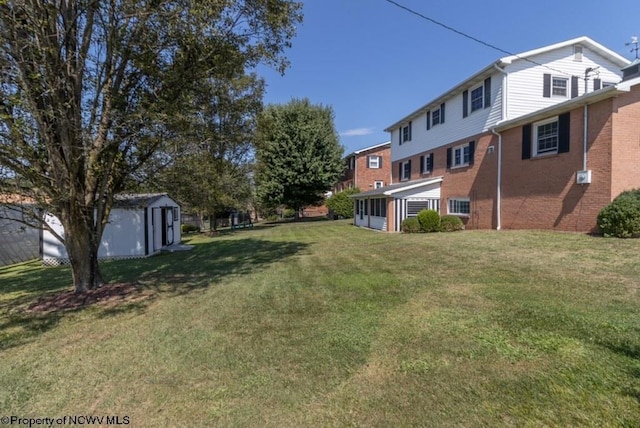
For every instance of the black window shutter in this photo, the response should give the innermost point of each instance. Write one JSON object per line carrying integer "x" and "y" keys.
{"x": 526, "y": 141}
{"x": 449, "y": 157}
{"x": 428, "y": 120}
{"x": 442, "y": 113}
{"x": 563, "y": 133}
{"x": 597, "y": 84}
{"x": 409, "y": 175}
{"x": 368, "y": 161}
{"x": 409, "y": 130}
{"x": 546, "y": 90}
{"x": 487, "y": 92}
{"x": 400, "y": 136}
{"x": 422, "y": 170}
{"x": 400, "y": 171}
{"x": 574, "y": 86}
{"x": 430, "y": 162}
{"x": 472, "y": 151}
{"x": 379, "y": 161}
{"x": 465, "y": 103}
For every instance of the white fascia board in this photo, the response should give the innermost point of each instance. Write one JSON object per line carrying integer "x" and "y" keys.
{"x": 413, "y": 186}
{"x": 357, "y": 152}
{"x": 584, "y": 40}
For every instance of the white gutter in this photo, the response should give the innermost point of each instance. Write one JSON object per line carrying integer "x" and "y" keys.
{"x": 493, "y": 130}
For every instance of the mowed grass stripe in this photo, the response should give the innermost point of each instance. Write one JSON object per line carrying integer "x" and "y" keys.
{"x": 322, "y": 323}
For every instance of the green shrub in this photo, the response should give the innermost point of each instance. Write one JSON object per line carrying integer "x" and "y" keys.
{"x": 289, "y": 213}
{"x": 621, "y": 218}
{"x": 451, "y": 223}
{"x": 188, "y": 228}
{"x": 429, "y": 220}
{"x": 410, "y": 225}
{"x": 340, "y": 204}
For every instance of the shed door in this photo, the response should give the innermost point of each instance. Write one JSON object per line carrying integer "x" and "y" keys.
{"x": 169, "y": 220}
{"x": 156, "y": 222}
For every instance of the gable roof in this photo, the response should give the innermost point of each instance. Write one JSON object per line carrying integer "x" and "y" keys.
{"x": 398, "y": 187}
{"x": 366, "y": 149}
{"x": 500, "y": 63}
{"x": 136, "y": 200}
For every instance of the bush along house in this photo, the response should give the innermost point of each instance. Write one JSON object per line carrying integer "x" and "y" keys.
{"x": 539, "y": 140}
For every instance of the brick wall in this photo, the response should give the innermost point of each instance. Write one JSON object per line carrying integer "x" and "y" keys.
{"x": 625, "y": 152}
{"x": 366, "y": 177}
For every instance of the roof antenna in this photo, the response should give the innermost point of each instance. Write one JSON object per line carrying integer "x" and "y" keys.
{"x": 634, "y": 42}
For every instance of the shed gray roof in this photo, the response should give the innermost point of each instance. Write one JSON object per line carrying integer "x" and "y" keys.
{"x": 136, "y": 200}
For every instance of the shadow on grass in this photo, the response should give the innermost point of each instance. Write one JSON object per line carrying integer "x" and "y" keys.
{"x": 165, "y": 274}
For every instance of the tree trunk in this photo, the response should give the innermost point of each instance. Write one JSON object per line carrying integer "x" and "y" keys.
{"x": 82, "y": 246}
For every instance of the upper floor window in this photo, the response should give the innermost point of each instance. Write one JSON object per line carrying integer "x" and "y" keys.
{"x": 426, "y": 163}
{"x": 477, "y": 98}
{"x": 405, "y": 170}
{"x": 462, "y": 155}
{"x": 480, "y": 97}
{"x": 559, "y": 86}
{"x": 545, "y": 136}
{"x": 374, "y": 162}
{"x": 435, "y": 117}
{"x": 405, "y": 133}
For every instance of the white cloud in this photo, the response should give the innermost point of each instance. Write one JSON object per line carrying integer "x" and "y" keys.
{"x": 356, "y": 132}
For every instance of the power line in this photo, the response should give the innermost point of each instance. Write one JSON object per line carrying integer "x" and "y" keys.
{"x": 475, "y": 39}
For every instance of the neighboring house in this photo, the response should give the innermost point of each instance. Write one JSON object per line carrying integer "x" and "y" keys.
{"x": 535, "y": 140}
{"x": 368, "y": 168}
{"x": 139, "y": 225}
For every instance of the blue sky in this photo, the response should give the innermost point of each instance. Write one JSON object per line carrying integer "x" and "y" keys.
{"x": 374, "y": 63}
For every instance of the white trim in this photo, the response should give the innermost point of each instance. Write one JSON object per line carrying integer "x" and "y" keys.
{"x": 567, "y": 87}
{"x": 371, "y": 164}
{"x": 461, "y": 147}
{"x": 357, "y": 152}
{"x": 459, "y": 199}
{"x": 404, "y": 176}
{"x": 534, "y": 137}
{"x": 375, "y": 184}
{"x": 413, "y": 186}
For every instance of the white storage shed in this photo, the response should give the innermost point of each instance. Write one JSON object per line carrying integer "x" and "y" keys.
{"x": 139, "y": 225}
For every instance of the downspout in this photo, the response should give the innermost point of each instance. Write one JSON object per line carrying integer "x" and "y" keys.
{"x": 499, "y": 185}
{"x": 504, "y": 116}
{"x": 584, "y": 147}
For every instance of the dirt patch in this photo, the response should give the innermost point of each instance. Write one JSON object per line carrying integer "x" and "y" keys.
{"x": 107, "y": 295}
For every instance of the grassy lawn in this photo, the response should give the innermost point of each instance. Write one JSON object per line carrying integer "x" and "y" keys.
{"x": 325, "y": 324}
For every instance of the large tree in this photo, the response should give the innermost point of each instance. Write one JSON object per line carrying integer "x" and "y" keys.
{"x": 90, "y": 89}
{"x": 210, "y": 168}
{"x": 299, "y": 154}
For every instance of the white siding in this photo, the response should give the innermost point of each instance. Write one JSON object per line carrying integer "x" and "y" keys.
{"x": 124, "y": 234}
{"x": 378, "y": 223}
{"x": 525, "y": 86}
{"x": 455, "y": 126}
{"x": 431, "y": 192}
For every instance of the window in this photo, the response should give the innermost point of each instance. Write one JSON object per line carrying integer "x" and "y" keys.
{"x": 426, "y": 163}
{"x": 374, "y": 162}
{"x": 378, "y": 184}
{"x": 175, "y": 214}
{"x": 460, "y": 156}
{"x": 405, "y": 133}
{"x": 405, "y": 170}
{"x": 459, "y": 206}
{"x": 352, "y": 162}
{"x": 435, "y": 117}
{"x": 559, "y": 86}
{"x": 379, "y": 207}
{"x": 545, "y": 136}
{"x": 477, "y": 98}
{"x": 577, "y": 53}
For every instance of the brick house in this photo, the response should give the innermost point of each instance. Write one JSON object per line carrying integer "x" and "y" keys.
{"x": 533, "y": 141}
{"x": 368, "y": 168}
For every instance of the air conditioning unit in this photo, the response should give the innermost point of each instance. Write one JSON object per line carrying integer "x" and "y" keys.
{"x": 583, "y": 177}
